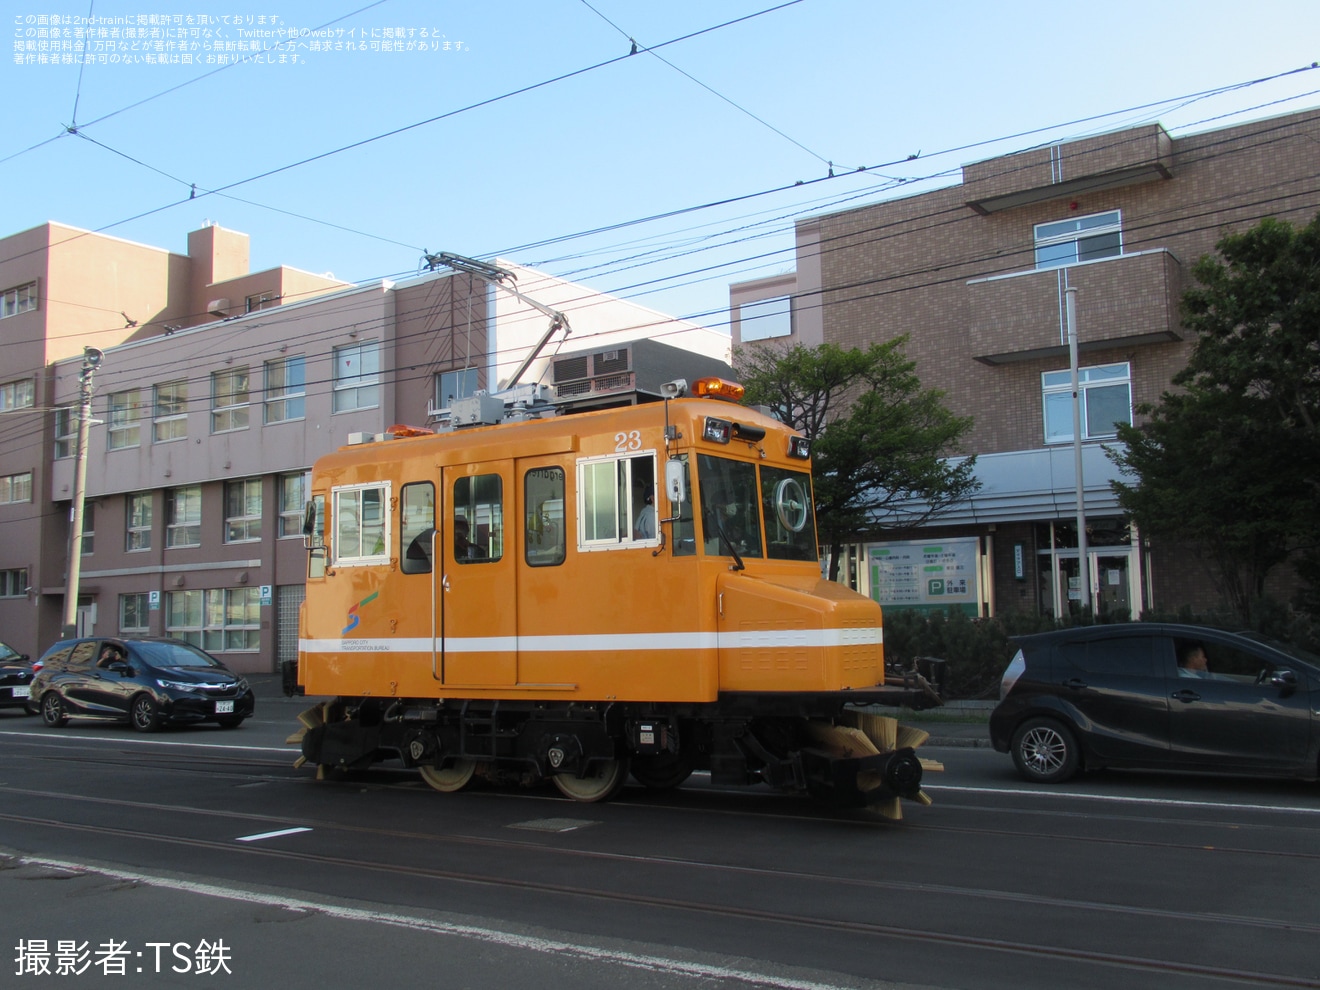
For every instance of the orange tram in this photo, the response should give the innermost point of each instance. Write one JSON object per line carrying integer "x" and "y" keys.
{"x": 533, "y": 593}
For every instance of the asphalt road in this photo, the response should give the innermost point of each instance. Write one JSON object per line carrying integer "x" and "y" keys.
{"x": 204, "y": 852}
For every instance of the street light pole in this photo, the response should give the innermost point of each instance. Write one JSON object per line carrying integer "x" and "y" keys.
{"x": 1083, "y": 565}
{"x": 91, "y": 361}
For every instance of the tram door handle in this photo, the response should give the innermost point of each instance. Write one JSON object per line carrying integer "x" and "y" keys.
{"x": 721, "y": 597}
{"x": 444, "y": 582}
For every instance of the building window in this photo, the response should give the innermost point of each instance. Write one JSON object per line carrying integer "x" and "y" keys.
{"x": 765, "y": 319}
{"x": 183, "y": 516}
{"x": 16, "y": 488}
{"x": 262, "y": 300}
{"x": 138, "y": 522}
{"x": 171, "y": 415}
{"x": 134, "y": 613}
{"x": 361, "y": 530}
{"x": 1106, "y": 399}
{"x": 17, "y": 395}
{"x": 286, "y": 388}
{"x": 221, "y": 620}
{"x": 20, "y": 299}
{"x": 229, "y": 400}
{"x": 613, "y": 506}
{"x": 66, "y": 432}
{"x": 88, "y": 528}
{"x": 1068, "y": 242}
{"x": 357, "y": 376}
{"x": 451, "y": 385}
{"x": 293, "y": 503}
{"x": 13, "y": 583}
{"x": 243, "y": 510}
{"x": 123, "y": 429}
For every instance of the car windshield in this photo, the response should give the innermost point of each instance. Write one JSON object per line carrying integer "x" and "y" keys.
{"x": 174, "y": 655}
{"x": 8, "y": 653}
{"x": 1306, "y": 656}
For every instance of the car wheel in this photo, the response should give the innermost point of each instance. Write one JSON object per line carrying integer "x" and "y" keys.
{"x": 229, "y": 721}
{"x": 1044, "y": 751}
{"x": 144, "y": 714}
{"x": 53, "y": 712}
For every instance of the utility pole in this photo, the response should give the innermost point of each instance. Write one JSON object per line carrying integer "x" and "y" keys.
{"x": 92, "y": 359}
{"x": 1083, "y": 565}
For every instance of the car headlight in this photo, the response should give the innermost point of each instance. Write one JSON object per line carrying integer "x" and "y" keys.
{"x": 176, "y": 685}
{"x": 242, "y": 685}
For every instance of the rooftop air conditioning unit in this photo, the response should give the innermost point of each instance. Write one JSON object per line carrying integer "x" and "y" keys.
{"x": 218, "y": 307}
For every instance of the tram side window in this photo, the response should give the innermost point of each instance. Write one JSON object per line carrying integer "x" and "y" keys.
{"x": 544, "y": 502}
{"x": 361, "y": 530}
{"x": 616, "y": 502}
{"x": 479, "y": 519}
{"x": 730, "y": 506}
{"x": 417, "y": 527}
{"x": 317, "y": 551}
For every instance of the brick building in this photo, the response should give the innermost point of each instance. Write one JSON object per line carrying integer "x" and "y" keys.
{"x": 976, "y": 275}
{"x": 218, "y": 389}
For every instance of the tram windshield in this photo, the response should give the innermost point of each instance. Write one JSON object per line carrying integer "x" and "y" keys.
{"x": 738, "y": 508}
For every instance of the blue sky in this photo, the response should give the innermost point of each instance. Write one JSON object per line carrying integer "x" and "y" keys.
{"x": 597, "y": 138}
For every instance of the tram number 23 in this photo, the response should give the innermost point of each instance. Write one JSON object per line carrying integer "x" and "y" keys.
{"x": 632, "y": 440}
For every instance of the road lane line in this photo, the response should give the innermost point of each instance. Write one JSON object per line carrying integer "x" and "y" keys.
{"x": 272, "y": 835}
{"x": 1117, "y": 798}
{"x": 131, "y": 741}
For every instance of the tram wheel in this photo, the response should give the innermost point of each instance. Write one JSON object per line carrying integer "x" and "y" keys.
{"x": 661, "y": 772}
{"x": 604, "y": 781}
{"x": 452, "y": 778}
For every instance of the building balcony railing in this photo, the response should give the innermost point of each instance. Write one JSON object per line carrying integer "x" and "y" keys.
{"x": 1126, "y": 300}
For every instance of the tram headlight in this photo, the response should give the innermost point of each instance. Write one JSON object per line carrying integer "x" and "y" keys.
{"x": 799, "y": 447}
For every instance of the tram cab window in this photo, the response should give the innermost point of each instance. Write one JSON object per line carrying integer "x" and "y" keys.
{"x": 613, "y": 507}
{"x": 730, "y": 506}
{"x": 478, "y": 536}
{"x": 417, "y": 527}
{"x": 684, "y": 540}
{"x": 543, "y": 497}
{"x": 362, "y": 534}
{"x": 790, "y": 530}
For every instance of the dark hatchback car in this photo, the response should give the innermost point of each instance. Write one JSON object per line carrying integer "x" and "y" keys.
{"x": 16, "y": 672}
{"x": 146, "y": 682}
{"x": 1129, "y": 695}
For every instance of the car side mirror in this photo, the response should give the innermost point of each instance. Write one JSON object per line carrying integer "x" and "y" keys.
{"x": 1285, "y": 680}
{"x": 120, "y": 667}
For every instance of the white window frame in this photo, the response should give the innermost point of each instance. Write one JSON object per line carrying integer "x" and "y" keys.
{"x": 243, "y": 526}
{"x": 343, "y": 508}
{"x": 294, "y": 491}
{"x": 19, "y": 299}
{"x": 139, "y": 605}
{"x": 190, "y": 524}
{"x": 16, "y": 488}
{"x": 231, "y": 391}
{"x": 282, "y": 398}
{"x": 137, "y": 525}
{"x": 123, "y": 420}
{"x": 765, "y": 319}
{"x": 66, "y": 432}
{"x": 1056, "y": 234}
{"x": 617, "y": 471}
{"x": 21, "y": 394}
{"x": 357, "y": 389}
{"x": 219, "y": 620}
{"x": 169, "y": 404}
{"x": 1056, "y": 387}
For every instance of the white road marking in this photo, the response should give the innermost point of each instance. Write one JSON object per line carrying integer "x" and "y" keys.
{"x": 508, "y": 940}
{"x": 272, "y": 835}
{"x": 1116, "y": 798}
{"x": 131, "y": 741}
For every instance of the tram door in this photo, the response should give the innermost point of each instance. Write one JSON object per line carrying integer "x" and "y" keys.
{"x": 477, "y": 590}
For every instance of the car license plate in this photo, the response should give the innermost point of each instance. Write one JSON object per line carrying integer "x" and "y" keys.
{"x": 224, "y": 707}
{"x": 22, "y": 692}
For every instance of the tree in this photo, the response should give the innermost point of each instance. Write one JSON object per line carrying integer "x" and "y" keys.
{"x": 1232, "y": 462}
{"x": 880, "y": 443}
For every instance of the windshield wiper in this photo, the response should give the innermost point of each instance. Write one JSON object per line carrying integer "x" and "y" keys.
{"x": 719, "y": 528}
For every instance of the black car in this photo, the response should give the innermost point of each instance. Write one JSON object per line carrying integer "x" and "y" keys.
{"x": 15, "y": 678}
{"x": 147, "y": 682}
{"x": 1131, "y": 695}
